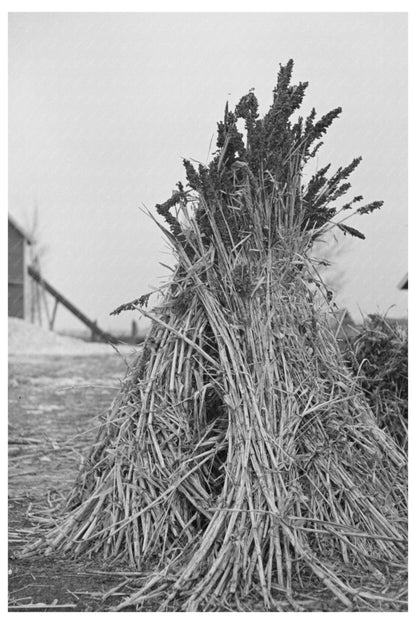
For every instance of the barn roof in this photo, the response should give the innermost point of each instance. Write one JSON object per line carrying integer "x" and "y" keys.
{"x": 404, "y": 283}
{"x": 21, "y": 231}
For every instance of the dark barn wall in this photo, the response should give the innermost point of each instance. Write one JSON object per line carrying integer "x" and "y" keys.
{"x": 17, "y": 277}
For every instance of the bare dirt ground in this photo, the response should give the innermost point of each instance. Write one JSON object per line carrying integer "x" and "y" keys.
{"x": 54, "y": 405}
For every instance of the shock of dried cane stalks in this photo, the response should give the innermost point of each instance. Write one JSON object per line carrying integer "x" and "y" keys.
{"x": 240, "y": 451}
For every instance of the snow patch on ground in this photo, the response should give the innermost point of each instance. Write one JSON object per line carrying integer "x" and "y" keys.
{"x": 29, "y": 339}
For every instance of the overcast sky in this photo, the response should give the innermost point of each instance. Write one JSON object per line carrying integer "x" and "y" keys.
{"x": 103, "y": 107}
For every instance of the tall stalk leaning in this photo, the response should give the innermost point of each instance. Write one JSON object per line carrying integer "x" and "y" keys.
{"x": 240, "y": 458}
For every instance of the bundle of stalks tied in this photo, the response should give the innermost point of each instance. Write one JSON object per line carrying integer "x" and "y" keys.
{"x": 240, "y": 458}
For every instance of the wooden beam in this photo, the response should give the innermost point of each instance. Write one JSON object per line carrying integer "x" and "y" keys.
{"x": 96, "y": 331}
{"x": 52, "y": 321}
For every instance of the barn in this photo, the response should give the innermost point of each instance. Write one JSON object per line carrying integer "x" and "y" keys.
{"x": 19, "y": 242}
{"x": 404, "y": 283}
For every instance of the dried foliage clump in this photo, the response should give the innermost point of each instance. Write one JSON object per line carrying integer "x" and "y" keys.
{"x": 379, "y": 357}
{"x": 241, "y": 458}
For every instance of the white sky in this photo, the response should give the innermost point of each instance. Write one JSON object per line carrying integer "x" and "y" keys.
{"x": 103, "y": 107}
